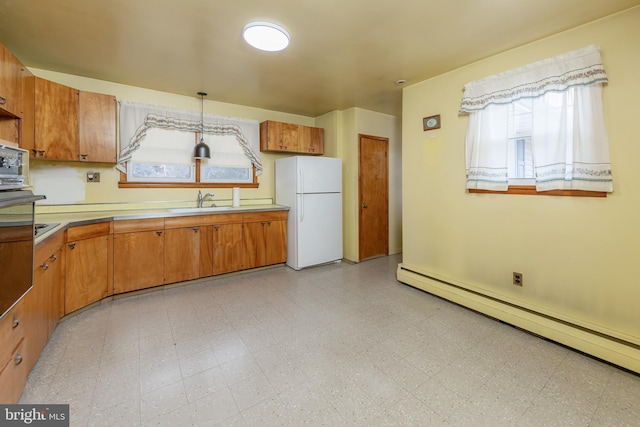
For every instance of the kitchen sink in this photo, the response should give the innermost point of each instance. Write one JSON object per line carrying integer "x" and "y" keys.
{"x": 198, "y": 210}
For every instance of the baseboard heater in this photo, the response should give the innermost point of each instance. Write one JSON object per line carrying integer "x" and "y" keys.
{"x": 609, "y": 348}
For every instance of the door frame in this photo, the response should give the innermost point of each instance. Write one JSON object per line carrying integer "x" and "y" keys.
{"x": 360, "y": 176}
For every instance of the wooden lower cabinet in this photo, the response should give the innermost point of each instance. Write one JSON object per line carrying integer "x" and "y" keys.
{"x": 227, "y": 248}
{"x": 88, "y": 265}
{"x": 13, "y": 349}
{"x": 181, "y": 254}
{"x": 265, "y": 239}
{"x": 44, "y": 303}
{"x": 138, "y": 260}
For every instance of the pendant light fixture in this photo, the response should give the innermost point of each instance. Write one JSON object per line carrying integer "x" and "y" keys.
{"x": 202, "y": 150}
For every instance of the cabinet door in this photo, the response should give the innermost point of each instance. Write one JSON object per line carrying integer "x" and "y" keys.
{"x": 87, "y": 273}
{"x": 227, "y": 248}
{"x": 254, "y": 238}
{"x": 206, "y": 251}
{"x": 277, "y": 136}
{"x": 276, "y": 242}
{"x": 11, "y": 72}
{"x": 55, "y": 305}
{"x": 311, "y": 140}
{"x": 96, "y": 127}
{"x": 181, "y": 254}
{"x": 138, "y": 260}
{"x": 56, "y": 121}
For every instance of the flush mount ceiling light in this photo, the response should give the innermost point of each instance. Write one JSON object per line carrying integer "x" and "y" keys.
{"x": 266, "y": 36}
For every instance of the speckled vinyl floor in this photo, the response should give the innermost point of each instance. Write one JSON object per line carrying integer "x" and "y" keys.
{"x": 333, "y": 345}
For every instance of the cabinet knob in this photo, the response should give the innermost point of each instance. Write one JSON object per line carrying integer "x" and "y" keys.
{"x": 72, "y": 246}
{"x": 159, "y": 233}
{"x": 196, "y": 229}
{"x": 18, "y": 359}
{"x": 53, "y": 257}
{"x": 2, "y": 101}
{"x": 45, "y": 266}
{"x": 15, "y": 322}
{"x": 84, "y": 156}
{"x": 364, "y": 206}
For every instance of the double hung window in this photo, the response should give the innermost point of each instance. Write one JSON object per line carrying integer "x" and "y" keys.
{"x": 158, "y": 146}
{"x": 540, "y": 125}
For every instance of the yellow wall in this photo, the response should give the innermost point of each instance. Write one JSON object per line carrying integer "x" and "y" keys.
{"x": 354, "y": 122}
{"x": 341, "y": 140}
{"x": 578, "y": 255}
{"x": 107, "y": 190}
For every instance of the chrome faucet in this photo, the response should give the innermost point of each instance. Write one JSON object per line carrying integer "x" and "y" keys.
{"x": 201, "y": 198}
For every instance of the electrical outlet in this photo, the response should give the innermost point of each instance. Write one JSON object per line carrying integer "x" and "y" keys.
{"x": 517, "y": 279}
{"x": 93, "y": 176}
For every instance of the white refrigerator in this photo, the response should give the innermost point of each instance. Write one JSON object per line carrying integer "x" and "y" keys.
{"x": 312, "y": 188}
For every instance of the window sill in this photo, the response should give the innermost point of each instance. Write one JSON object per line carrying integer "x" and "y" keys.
{"x": 531, "y": 191}
{"x": 184, "y": 185}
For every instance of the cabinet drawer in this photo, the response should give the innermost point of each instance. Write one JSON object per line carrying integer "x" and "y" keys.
{"x": 47, "y": 247}
{"x": 81, "y": 232}
{"x": 133, "y": 225}
{"x": 186, "y": 221}
{"x": 225, "y": 219}
{"x": 13, "y": 374}
{"x": 11, "y": 331}
{"x": 265, "y": 216}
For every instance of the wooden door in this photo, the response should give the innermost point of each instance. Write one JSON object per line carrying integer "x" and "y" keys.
{"x": 227, "y": 248}
{"x": 56, "y": 121}
{"x": 373, "y": 196}
{"x": 96, "y": 127}
{"x": 138, "y": 259}
{"x": 276, "y": 242}
{"x": 87, "y": 272}
{"x": 181, "y": 254}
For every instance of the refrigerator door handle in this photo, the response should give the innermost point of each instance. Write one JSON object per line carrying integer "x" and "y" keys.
{"x": 301, "y": 181}
{"x": 301, "y": 210}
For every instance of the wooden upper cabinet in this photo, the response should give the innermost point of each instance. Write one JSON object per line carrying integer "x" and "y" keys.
{"x": 63, "y": 123}
{"x": 97, "y": 127}
{"x": 290, "y": 138}
{"x": 11, "y": 75}
{"x": 50, "y": 125}
{"x": 312, "y": 140}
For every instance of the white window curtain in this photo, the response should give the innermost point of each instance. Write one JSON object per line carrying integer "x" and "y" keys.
{"x": 137, "y": 119}
{"x": 569, "y": 141}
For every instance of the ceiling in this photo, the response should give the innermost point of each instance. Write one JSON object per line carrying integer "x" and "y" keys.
{"x": 343, "y": 53}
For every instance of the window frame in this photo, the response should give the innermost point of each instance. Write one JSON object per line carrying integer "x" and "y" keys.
{"x": 125, "y": 183}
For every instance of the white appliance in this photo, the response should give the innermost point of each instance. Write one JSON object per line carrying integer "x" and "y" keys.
{"x": 312, "y": 188}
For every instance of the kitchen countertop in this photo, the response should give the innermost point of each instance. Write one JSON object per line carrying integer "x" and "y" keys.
{"x": 67, "y": 219}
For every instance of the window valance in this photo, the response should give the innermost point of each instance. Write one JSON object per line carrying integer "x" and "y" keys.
{"x": 582, "y": 67}
{"x": 136, "y": 119}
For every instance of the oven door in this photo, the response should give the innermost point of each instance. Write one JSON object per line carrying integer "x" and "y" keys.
{"x": 16, "y": 245}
